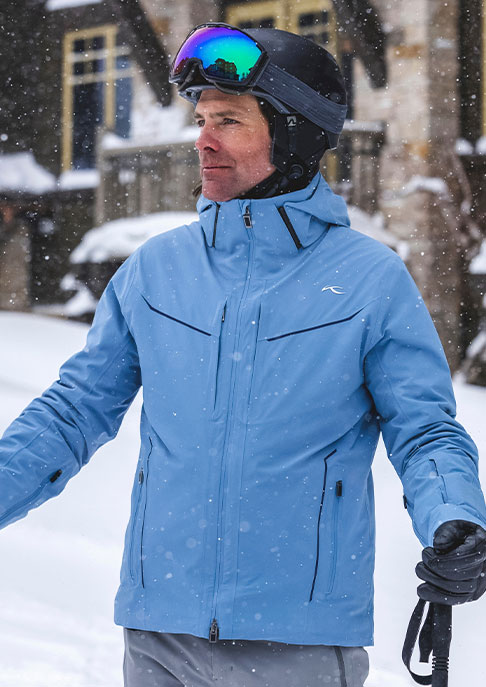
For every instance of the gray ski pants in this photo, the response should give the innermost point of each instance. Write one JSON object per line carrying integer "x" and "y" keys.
{"x": 160, "y": 659}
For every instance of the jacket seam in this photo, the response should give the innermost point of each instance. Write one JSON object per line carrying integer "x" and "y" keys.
{"x": 124, "y": 293}
{"x": 373, "y": 353}
{"x": 23, "y": 448}
{"x": 390, "y": 386}
{"x": 380, "y": 309}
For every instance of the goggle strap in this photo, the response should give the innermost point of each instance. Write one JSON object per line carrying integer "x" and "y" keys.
{"x": 302, "y": 98}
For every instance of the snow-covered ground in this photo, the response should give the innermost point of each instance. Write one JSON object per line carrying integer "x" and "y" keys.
{"x": 59, "y": 566}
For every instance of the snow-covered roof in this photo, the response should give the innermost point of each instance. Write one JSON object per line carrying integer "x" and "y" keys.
{"x": 21, "y": 172}
{"x": 152, "y": 124}
{"x": 463, "y": 147}
{"x": 78, "y": 178}
{"x": 481, "y": 146}
{"x": 376, "y": 127}
{"x": 52, "y": 5}
{"x": 119, "y": 238}
{"x": 478, "y": 264}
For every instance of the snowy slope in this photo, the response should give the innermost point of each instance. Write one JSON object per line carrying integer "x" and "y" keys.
{"x": 59, "y": 567}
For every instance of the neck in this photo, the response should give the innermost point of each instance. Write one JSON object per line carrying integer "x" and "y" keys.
{"x": 277, "y": 184}
{"x": 274, "y": 185}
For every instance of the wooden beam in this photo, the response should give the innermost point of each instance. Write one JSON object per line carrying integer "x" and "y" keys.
{"x": 145, "y": 45}
{"x": 362, "y": 25}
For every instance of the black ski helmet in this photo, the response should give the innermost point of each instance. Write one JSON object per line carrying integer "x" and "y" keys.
{"x": 300, "y": 80}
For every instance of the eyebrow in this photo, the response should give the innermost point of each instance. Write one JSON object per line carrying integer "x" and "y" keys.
{"x": 214, "y": 115}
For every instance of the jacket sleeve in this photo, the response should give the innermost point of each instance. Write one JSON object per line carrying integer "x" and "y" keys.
{"x": 408, "y": 377}
{"x": 59, "y": 431}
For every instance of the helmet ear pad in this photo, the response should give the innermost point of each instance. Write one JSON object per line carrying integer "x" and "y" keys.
{"x": 297, "y": 145}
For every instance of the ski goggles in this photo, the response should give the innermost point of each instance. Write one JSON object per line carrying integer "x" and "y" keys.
{"x": 226, "y": 56}
{"x": 234, "y": 62}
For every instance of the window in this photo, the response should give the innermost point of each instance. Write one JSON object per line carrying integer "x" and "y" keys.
{"x": 263, "y": 23}
{"x": 256, "y": 15}
{"x": 313, "y": 19}
{"x": 97, "y": 92}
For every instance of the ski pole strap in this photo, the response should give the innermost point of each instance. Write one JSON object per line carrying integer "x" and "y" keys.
{"x": 435, "y": 637}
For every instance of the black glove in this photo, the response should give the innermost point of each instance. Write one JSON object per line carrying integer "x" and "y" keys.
{"x": 454, "y": 570}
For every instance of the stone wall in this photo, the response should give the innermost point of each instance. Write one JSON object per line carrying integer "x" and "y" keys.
{"x": 420, "y": 106}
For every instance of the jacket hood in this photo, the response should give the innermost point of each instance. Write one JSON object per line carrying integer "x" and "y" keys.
{"x": 310, "y": 210}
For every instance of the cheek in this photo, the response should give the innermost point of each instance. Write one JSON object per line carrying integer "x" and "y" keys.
{"x": 257, "y": 149}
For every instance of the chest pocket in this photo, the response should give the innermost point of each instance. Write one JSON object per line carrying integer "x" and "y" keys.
{"x": 179, "y": 350}
{"x": 172, "y": 330}
{"x": 306, "y": 362}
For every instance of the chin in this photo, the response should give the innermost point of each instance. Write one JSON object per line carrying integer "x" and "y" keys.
{"x": 218, "y": 193}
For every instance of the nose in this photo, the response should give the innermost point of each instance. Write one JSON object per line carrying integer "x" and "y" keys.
{"x": 207, "y": 139}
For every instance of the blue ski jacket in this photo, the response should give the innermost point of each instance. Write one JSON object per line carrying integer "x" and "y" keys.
{"x": 273, "y": 343}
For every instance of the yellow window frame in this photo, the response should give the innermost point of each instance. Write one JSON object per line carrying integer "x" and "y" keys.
{"x": 285, "y": 14}
{"x": 109, "y": 76}
{"x": 253, "y": 11}
{"x": 307, "y": 6}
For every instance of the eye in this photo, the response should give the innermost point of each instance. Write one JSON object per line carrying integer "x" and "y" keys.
{"x": 200, "y": 123}
{"x": 228, "y": 120}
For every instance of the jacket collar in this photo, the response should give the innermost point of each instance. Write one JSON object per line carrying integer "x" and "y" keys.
{"x": 314, "y": 202}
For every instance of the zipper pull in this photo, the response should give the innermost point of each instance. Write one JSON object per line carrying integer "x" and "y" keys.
{"x": 55, "y": 476}
{"x": 339, "y": 488}
{"x": 247, "y": 218}
{"x": 140, "y": 476}
{"x": 224, "y": 313}
{"x": 214, "y": 632}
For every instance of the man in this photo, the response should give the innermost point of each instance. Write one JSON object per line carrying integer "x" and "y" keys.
{"x": 273, "y": 344}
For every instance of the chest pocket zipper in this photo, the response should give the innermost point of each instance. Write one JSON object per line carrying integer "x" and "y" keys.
{"x": 175, "y": 319}
{"x": 216, "y": 365}
{"x": 136, "y": 562}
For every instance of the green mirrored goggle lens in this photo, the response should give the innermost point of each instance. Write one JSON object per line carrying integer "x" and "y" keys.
{"x": 225, "y": 54}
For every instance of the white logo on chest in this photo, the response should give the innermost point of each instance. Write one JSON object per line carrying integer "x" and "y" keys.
{"x": 334, "y": 289}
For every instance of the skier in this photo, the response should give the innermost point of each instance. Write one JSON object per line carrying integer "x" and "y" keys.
{"x": 273, "y": 344}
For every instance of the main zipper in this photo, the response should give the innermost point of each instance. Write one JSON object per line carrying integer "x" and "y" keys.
{"x": 214, "y": 627}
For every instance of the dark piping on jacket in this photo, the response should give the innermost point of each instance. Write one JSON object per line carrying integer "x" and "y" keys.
{"x": 288, "y": 224}
{"x": 215, "y": 223}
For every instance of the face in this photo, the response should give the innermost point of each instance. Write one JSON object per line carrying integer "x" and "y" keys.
{"x": 234, "y": 144}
